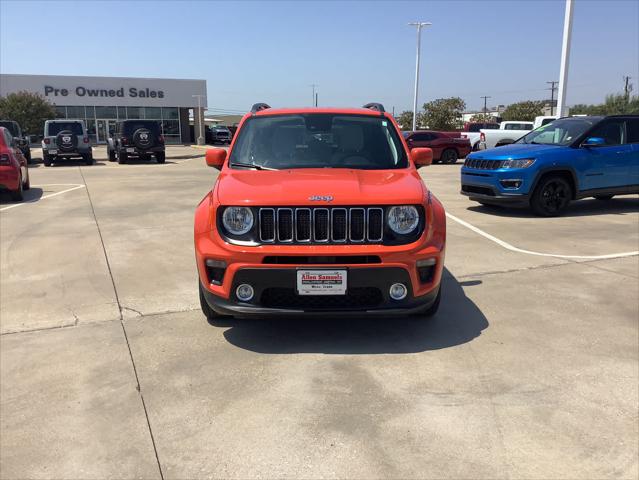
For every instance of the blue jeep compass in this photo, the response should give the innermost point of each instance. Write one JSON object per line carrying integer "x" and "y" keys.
{"x": 568, "y": 159}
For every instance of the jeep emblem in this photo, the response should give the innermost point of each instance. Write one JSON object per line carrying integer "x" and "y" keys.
{"x": 144, "y": 136}
{"x": 66, "y": 139}
{"x": 321, "y": 198}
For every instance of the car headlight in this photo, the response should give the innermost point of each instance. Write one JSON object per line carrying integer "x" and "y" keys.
{"x": 403, "y": 219}
{"x": 237, "y": 220}
{"x": 519, "y": 163}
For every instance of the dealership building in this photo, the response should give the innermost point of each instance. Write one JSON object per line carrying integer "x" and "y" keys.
{"x": 102, "y": 101}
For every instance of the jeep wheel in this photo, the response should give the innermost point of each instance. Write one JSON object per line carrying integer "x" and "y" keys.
{"x": 46, "y": 158}
{"x": 604, "y": 197}
{"x": 122, "y": 157}
{"x": 88, "y": 159}
{"x": 449, "y": 156}
{"x": 28, "y": 156}
{"x": 112, "y": 156}
{"x": 16, "y": 195}
{"x": 27, "y": 184}
{"x": 551, "y": 197}
{"x": 160, "y": 157}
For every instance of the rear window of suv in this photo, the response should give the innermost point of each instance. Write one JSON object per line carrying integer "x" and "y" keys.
{"x": 12, "y": 127}
{"x": 56, "y": 127}
{"x": 129, "y": 128}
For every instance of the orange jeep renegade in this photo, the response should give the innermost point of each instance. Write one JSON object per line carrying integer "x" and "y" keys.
{"x": 319, "y": 211}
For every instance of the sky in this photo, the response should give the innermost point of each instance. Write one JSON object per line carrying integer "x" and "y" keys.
{"x": 356, "y": 52}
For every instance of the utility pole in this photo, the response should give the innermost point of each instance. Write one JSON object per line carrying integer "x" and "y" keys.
{"x": 565, "y": 60}
{"x": 552, "y": 95}
{"x": 627, "y": 88}
{"x": 200, "y": 117}
{"x": 419, "y": 26}
{"x": 316, "y": 94}
{"x": 314, "y": 98}
{"x": 485, "y": 97}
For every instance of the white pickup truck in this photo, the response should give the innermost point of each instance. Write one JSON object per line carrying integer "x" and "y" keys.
{"x": 510, "y": 131}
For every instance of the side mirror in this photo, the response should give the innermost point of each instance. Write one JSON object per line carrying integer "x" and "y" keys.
{"x": 215, "y": 157}
{"x": 593, "y": 142}
{"x": 422, "y": 157}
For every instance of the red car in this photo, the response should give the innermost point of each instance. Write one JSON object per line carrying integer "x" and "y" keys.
{"x": 14, "y": 174}
{"x": 446, "y": 147}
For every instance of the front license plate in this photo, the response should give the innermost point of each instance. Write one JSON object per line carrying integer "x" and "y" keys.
{"x": 130, "y": 150}
{"x": 321, "y": 282}
{"x": 53, "y": 152}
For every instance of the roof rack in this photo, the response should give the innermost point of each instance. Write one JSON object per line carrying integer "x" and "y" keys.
{"x": 375, "y": 106}
{"x": 258, "y": 107}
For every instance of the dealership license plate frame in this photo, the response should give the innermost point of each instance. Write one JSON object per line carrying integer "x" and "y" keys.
{"x": 130, "y": 150}
{"x": 327, "y": 289}
{"x": 52, "y": 152}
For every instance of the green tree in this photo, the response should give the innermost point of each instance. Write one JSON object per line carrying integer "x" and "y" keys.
{"x": 482, "y": 118}
{"x": 615, "y": 104}
{"x": 405, "y": 120}
{"x": 30, "y": 110}
{"x": 527, "y": 110}
{"x": 443, "y": 113}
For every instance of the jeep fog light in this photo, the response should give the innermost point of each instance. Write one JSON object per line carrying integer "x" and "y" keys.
{"x": 244, "y": 292}
{"x": 398, "y": 291}
{"x": 511, "y": 183}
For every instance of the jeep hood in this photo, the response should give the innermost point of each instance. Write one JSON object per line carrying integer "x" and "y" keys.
{"x": 514, "y": 151}
{"x": 295, "y": 187}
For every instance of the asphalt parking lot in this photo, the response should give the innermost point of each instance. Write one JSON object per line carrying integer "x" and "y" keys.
{"x": 108, "y": 368}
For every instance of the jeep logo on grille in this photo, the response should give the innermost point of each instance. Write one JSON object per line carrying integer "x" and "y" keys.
{"x": 144, "y": 136}
{"x": 321, "y": 198}
{"x": 66, "y": 139}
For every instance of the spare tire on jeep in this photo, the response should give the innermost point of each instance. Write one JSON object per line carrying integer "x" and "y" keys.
{"x": 143, "y": 138}
{"x": 66, "y": 141}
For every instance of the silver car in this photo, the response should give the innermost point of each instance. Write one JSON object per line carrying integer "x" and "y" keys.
{"x": 64, "y": 139}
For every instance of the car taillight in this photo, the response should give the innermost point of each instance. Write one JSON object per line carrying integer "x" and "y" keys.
{"x": 85, "y": 139}
{"x": 123, "y": 140}
{"x": 161, "y": 138}
{"x": 47, "y": 141}
{"x": 5, "y": 159}
{"x": 482, "y": 137}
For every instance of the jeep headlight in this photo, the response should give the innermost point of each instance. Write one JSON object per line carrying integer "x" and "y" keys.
{"x": 237, "y": 220}
{"x": 518, "y": 163}
{"x": 403, "y": 219}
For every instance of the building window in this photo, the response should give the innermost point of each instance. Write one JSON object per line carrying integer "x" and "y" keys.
{"x": 153, "y": 113}
{"x": 170, "y": 113}
{"x": 122, "y": 113}
{"x": 170, "y": 127}
{"x": 61, "y": 112}
{"x": 89, "y": 112}
{"x": 106, "y": 112}
{"x": 134, "y": 112}
{"x": 75, "y": 112}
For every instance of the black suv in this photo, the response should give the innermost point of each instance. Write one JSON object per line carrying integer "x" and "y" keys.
{"x": 220, "y": 134}
{"x": 22, "y": 142}
{"x": 136, "y": 138}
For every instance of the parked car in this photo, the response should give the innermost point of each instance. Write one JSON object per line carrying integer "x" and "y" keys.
{"x": 446, "y": 149}
{"x": 220, "y": 134}
{"x": 471, "y": 131}
{"x": 507, "y": 132}
{"x": 140, "y": 139}
{"x": 14, "y": 172}
{"x": 65, "y": 139}
{"x": 22, "y": 140}
{"x": 567, "y": 159}
{"x": 319, "y": 211}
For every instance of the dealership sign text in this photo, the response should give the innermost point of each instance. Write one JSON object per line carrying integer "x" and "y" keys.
{"x": 95, "y": 92}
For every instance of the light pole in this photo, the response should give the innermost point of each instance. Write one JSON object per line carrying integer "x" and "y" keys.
{"x": 565, "y": 60}
{"x": 200, "y": 119}
{"x": 419, "y": 26}
{"x": 314, "y": 99}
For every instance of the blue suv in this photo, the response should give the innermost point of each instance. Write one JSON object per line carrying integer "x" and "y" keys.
{"x": 568, "y": 159}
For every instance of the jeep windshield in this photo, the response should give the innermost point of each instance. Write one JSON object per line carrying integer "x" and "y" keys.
{"x": 560, "y": 132}
{"x": 13, "y": 128}
{"x": 57, "y": 127}
{"x": 318, "y": 140}
{"x": 129, "y": 128}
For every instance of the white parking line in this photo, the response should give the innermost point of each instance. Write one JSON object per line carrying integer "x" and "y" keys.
{"x": 75, "y": 187}
{"x": 512, "y": 248}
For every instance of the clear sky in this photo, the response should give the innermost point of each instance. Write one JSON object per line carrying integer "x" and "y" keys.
{"x": 355, "y": 51}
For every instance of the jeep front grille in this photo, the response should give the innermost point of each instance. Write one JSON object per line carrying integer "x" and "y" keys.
{"x": 483, "y": 164}
{"x": 321, "y": 225}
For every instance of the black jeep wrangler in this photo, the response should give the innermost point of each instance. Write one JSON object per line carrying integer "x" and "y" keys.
{"x": 136, "y": 138}
{"x": 22, "y": 141}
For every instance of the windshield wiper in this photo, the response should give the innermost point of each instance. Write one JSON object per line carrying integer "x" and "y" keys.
{"x": 251, "y": 165}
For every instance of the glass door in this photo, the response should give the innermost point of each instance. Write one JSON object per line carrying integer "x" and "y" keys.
{"x": 104, "y": 129}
